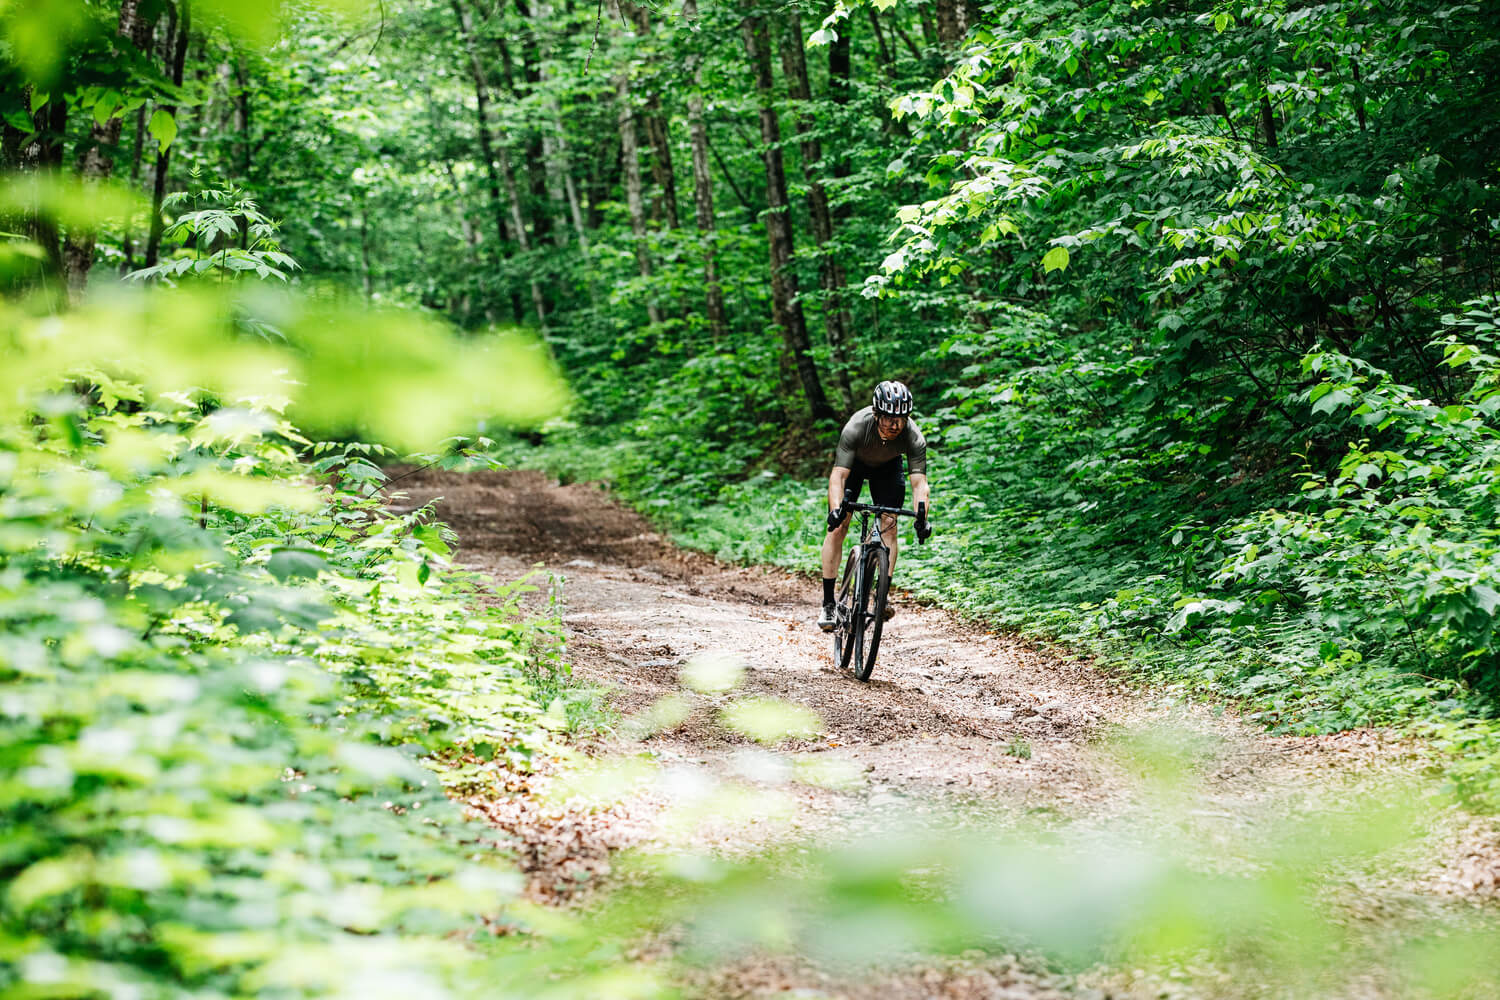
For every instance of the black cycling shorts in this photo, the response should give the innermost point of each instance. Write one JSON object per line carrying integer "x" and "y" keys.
{"x": 887, "y": 484}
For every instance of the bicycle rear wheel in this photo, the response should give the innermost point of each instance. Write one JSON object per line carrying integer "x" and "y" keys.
{"x": 877, "y": 586}
{"x": 843, "y": 631}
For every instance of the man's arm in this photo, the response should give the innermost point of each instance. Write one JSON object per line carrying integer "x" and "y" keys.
{"x": 919, "y": 490}
{"x": 836, "y": 480}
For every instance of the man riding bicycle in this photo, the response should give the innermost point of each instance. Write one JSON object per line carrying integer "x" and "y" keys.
{"x": 869, "y": 450}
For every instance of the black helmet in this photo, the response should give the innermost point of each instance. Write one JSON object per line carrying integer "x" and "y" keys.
{"x": 892, "y": 399}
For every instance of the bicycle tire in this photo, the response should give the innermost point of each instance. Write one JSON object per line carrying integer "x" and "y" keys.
{"x": 880, "y": 571}
{"x": 843, "y": 630}
{"x": 859, "y": 617}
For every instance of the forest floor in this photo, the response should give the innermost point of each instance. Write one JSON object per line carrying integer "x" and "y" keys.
{"x": 958, "y": 725}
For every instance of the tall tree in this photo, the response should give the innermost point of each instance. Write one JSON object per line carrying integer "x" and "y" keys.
{"x": 179, "y": 33}
{"x": 97, "y": 161}
{"x": 630, "y": 158}
{"x": 835, "y": 317}
{"x": 38, "y": 149}
{"x": 654, "y": 124}
{"x": 785, "y": 307}
{"x": 496, "y": 161}
{"x": 703, "y": 194}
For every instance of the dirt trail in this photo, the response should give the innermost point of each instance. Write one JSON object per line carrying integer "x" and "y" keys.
{"x": 949, "y": 717}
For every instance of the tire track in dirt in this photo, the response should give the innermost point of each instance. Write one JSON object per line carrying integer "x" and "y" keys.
{"x": 945, "y": 721}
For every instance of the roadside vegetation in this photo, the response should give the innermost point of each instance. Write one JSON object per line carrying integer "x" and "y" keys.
{"x": 1199, "y": 304}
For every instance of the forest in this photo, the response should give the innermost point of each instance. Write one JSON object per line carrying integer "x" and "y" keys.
{"x": 1199, "y": 301}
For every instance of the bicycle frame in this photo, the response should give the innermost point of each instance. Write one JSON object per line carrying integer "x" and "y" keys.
{"x": 869, "y": 565}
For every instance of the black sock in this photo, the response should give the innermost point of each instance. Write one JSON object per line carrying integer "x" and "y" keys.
{"x": 827, "y": 590}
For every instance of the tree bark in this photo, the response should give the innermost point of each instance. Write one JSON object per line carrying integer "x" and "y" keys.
{"x": 179, "y": 33}
{"x": 364, "y": 247}
{"x": 841, "y": 92}
{"x": 496, "y": 163}
{"x": 658, "y": 136}
{"x": 242, "y": 118}
{"x": 887, "y": 58}
{"x": 703, "y": 197}
{"x": 1267, "y": 122}
{"x": 38, "y": 152}
{"x": 138, "y": 143}
{"x": 634, "y": 201}
{"x": 482, "y": 123}
{"x": 536, "y": 158}
{"x": 949, "y": 22}
{"x": 786, "y": 310}
{"x": 95, "y": 164}
{"x": 835, "y": 318}
{"x": 522, "y": 239}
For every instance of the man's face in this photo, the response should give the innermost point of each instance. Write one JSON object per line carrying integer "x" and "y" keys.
{"x": 888, "y": 426}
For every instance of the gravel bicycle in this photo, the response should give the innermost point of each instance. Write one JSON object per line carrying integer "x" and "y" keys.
{"x": 865, "y": 585}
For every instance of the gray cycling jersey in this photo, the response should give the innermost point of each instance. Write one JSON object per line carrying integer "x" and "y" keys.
{"x": 860, "y": 439}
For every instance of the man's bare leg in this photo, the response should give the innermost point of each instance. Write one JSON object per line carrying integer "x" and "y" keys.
{"x": 833, "y": 553}
{"x": 833, "y": 550}
{"x": 892, "y": 539}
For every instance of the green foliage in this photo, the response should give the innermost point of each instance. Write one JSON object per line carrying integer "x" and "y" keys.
{"x": 225, "y": 664}
{"x": 1359, "y": 596}
{"x": 207, "y": 238}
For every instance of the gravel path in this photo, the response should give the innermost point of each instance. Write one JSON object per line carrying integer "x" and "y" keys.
{"x": 956, "y": 726}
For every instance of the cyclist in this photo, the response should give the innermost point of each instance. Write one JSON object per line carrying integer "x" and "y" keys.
{"x": 869, "y": 450}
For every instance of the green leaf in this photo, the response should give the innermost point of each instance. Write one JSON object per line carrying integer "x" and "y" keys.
{"x": 431, "y": 537}
{"x": 163, "y": 127}
{"x": 295, "y": 564}
{"x": 109, "y": 102}
{"x": 20, "y": 121}
{"x": 1055, "y": 259}
{"x": 1486, "y": 597}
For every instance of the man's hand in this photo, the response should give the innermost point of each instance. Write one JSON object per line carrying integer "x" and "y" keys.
{"x": 924, "y": 529}
{"x": 835, "y": 518}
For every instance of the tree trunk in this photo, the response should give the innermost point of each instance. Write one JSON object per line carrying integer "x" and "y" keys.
{"x": 486, "y": 139}
{"x": 137, "y": 146}
{"x": 179, "y": 32}
{"x": 524, "y": 240}
{"x": 786, "y": 310}
{"x": 887, "y": 58}
{"x": 631, "y": 160}
{"x": 664, "y": 206}
{"x": 497, "y": 167}
{"x": 242, "y": 118}
{"x": 949, "y": 23}
{"x": 931, "y": 32}
{"x": 536, "y": 158}
{"x": 364, "y": 248}
{"x": 605, "y": 173}
{"x": 38, "y": 151}
{"x": 654, "y": 124}
{"x": 95, "y": 164}
{"x": 835, "y": 319}
{"x": 1267, "y": 122}
{"x": 570, "y": 187}
{"x": 1359, "y": 94}
{"x": 841, "y": 92}
{"x": 703, "y": 197}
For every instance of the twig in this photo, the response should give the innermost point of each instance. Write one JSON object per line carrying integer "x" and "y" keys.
{"x": 598, "y": 23}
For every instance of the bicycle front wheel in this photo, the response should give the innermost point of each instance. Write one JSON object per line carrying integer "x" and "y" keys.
{"x": 843, "y": 631}
{"x": 877, "y": 585}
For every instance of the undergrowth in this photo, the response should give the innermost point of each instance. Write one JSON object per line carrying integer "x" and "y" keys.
{"x": 1355, "y": 590}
